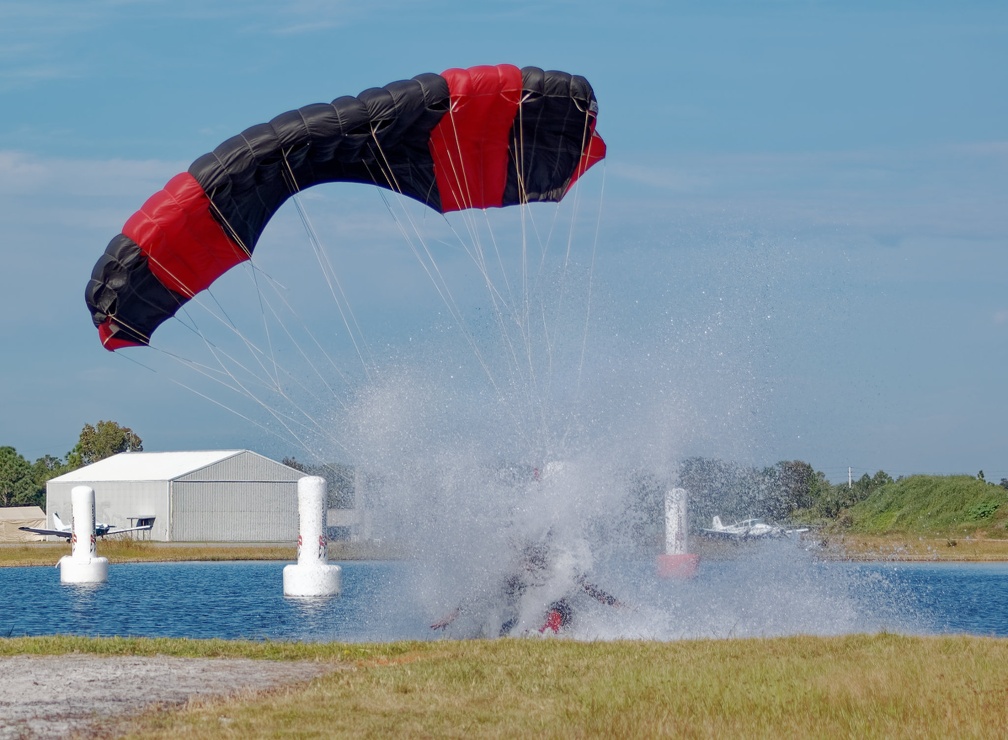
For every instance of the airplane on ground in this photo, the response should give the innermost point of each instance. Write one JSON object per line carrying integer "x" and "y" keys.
{"x": 747, "y": 529}
{"x": 101, "y": 529}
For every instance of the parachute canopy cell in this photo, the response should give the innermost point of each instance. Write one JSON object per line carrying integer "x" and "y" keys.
{"x": 481, "y": 137}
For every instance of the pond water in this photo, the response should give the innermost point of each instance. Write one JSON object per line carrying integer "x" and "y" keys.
{"x": 765, "y": 592}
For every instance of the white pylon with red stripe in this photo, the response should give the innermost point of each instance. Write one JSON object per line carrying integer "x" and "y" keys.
{"x": 677, "y": 561}
{"x": 311, "y": 575}
{"x": 83, "y": 565}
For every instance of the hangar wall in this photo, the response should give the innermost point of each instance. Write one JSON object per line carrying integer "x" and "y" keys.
{"x": 205, "y": 496}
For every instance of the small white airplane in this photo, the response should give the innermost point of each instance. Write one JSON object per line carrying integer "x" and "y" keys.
{"x": 747, "y": 529}
{"x": 101, "y": 529}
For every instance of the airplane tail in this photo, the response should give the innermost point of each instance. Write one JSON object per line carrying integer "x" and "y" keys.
{"x": 717, "y": 523}
{"x": 58, "y": 522}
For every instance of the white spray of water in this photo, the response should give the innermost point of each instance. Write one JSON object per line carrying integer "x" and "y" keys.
{"x": 530, "y": 417}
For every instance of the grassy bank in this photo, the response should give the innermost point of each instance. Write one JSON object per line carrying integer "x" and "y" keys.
{"x": 834, "y": 545}
{"x": 900, "y": 547}
{"x": 134, "y": 551}
{"x": 853, "y": 686}
{"x": 141, "y": 551}
{"x": 950, "y": 506}
{"x": 922, "y": 517}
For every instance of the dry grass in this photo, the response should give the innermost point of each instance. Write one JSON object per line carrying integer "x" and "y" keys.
{"x": 122, "y": 549}
{"x": 138, "y": 551}
{"x": 855, "y": 686}
{"x": 910, "y": 547}
{"x": 835, "y": 546}
{"x": 32, "y": 553}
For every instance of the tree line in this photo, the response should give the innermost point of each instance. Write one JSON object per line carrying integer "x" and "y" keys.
{"x": 792, "y": 491}
{"x": 789, "y": 491}
{"x": 23, "y": 483}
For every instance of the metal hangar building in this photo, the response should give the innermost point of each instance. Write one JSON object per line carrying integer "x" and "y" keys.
{"x": 206, "y": 496}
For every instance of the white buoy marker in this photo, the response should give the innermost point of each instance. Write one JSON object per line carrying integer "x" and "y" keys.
{"x": 676, "y": 561}
{"x": 83, "y": 565}
{"x": 311, "y": 575}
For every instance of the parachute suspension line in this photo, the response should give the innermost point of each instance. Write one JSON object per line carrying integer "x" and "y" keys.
{"x": 275, "y": 386}
{"x": 430, "y": 266}
{"x": 203, "y": 370}
{"x": 295, "y": 378}
{"x": 226, "y": 361}
{"x": 478, "y": 255}
{"x": 192, "y": 295}
{"x": 440, "y": 284}
{"x": 576, "y": 206}
{"x": 563, "y": 286}
{"x": 343, "y": 305}
{"x": 227, "y": 321}
{"x": 329, "y": 272}
{"x": 225, "y": 370}
{"x": 304, "y": 325}
{"x": 501, "y": 301}
{"x": 497, "y": 301}
{"x": 190, "y": 388}
{"x": 536, "y": 400}
{"x": 232, "y": 232}
{"x": 236, "y": 239}
{"x": 518, "y": 310}
{"x": 591, "y": 281}
{"x": 540, "y": 276}
{"x": 287, "y": 421}
{"x": 271, "y": 354}
{"x": 306, "y": 410}
{"x": 191, "y": 326}
{"x": 586, "y": 134}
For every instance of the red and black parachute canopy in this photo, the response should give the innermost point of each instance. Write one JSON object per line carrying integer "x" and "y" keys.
{"x": 481, "y": 137}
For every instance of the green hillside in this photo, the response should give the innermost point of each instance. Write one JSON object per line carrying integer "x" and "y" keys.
{"x": 932, "y": 505}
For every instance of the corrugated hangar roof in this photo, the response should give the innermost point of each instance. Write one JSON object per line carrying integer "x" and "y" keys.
{"x": 146, "y": 466}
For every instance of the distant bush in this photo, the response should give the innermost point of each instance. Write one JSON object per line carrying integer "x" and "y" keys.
{"x": 983, "y": 510}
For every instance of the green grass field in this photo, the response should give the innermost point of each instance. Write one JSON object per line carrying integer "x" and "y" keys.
{"x": 853, "y": 686}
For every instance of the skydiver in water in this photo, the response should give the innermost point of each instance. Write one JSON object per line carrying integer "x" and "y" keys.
{"x": 534, "y": 571}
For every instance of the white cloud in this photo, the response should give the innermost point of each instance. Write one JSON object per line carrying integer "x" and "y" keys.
{"x": 31, "y": 175}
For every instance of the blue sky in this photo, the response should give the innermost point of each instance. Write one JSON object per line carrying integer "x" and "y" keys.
{"x": 804, "y": 210}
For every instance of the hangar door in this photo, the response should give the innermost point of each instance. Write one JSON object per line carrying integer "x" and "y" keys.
{"x": 234, "y": 511}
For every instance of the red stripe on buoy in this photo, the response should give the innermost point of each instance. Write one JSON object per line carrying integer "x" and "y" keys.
{"x": 678, "y": 566}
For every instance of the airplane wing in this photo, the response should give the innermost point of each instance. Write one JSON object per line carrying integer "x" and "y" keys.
{"x": 66, "y": 533}
{"x": 725, "y": 533}
{"x": 55, "y": 532}
{"x": 116, "y": 530}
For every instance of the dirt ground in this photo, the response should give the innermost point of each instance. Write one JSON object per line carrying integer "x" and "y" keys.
{"x": 47, "y": 696}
